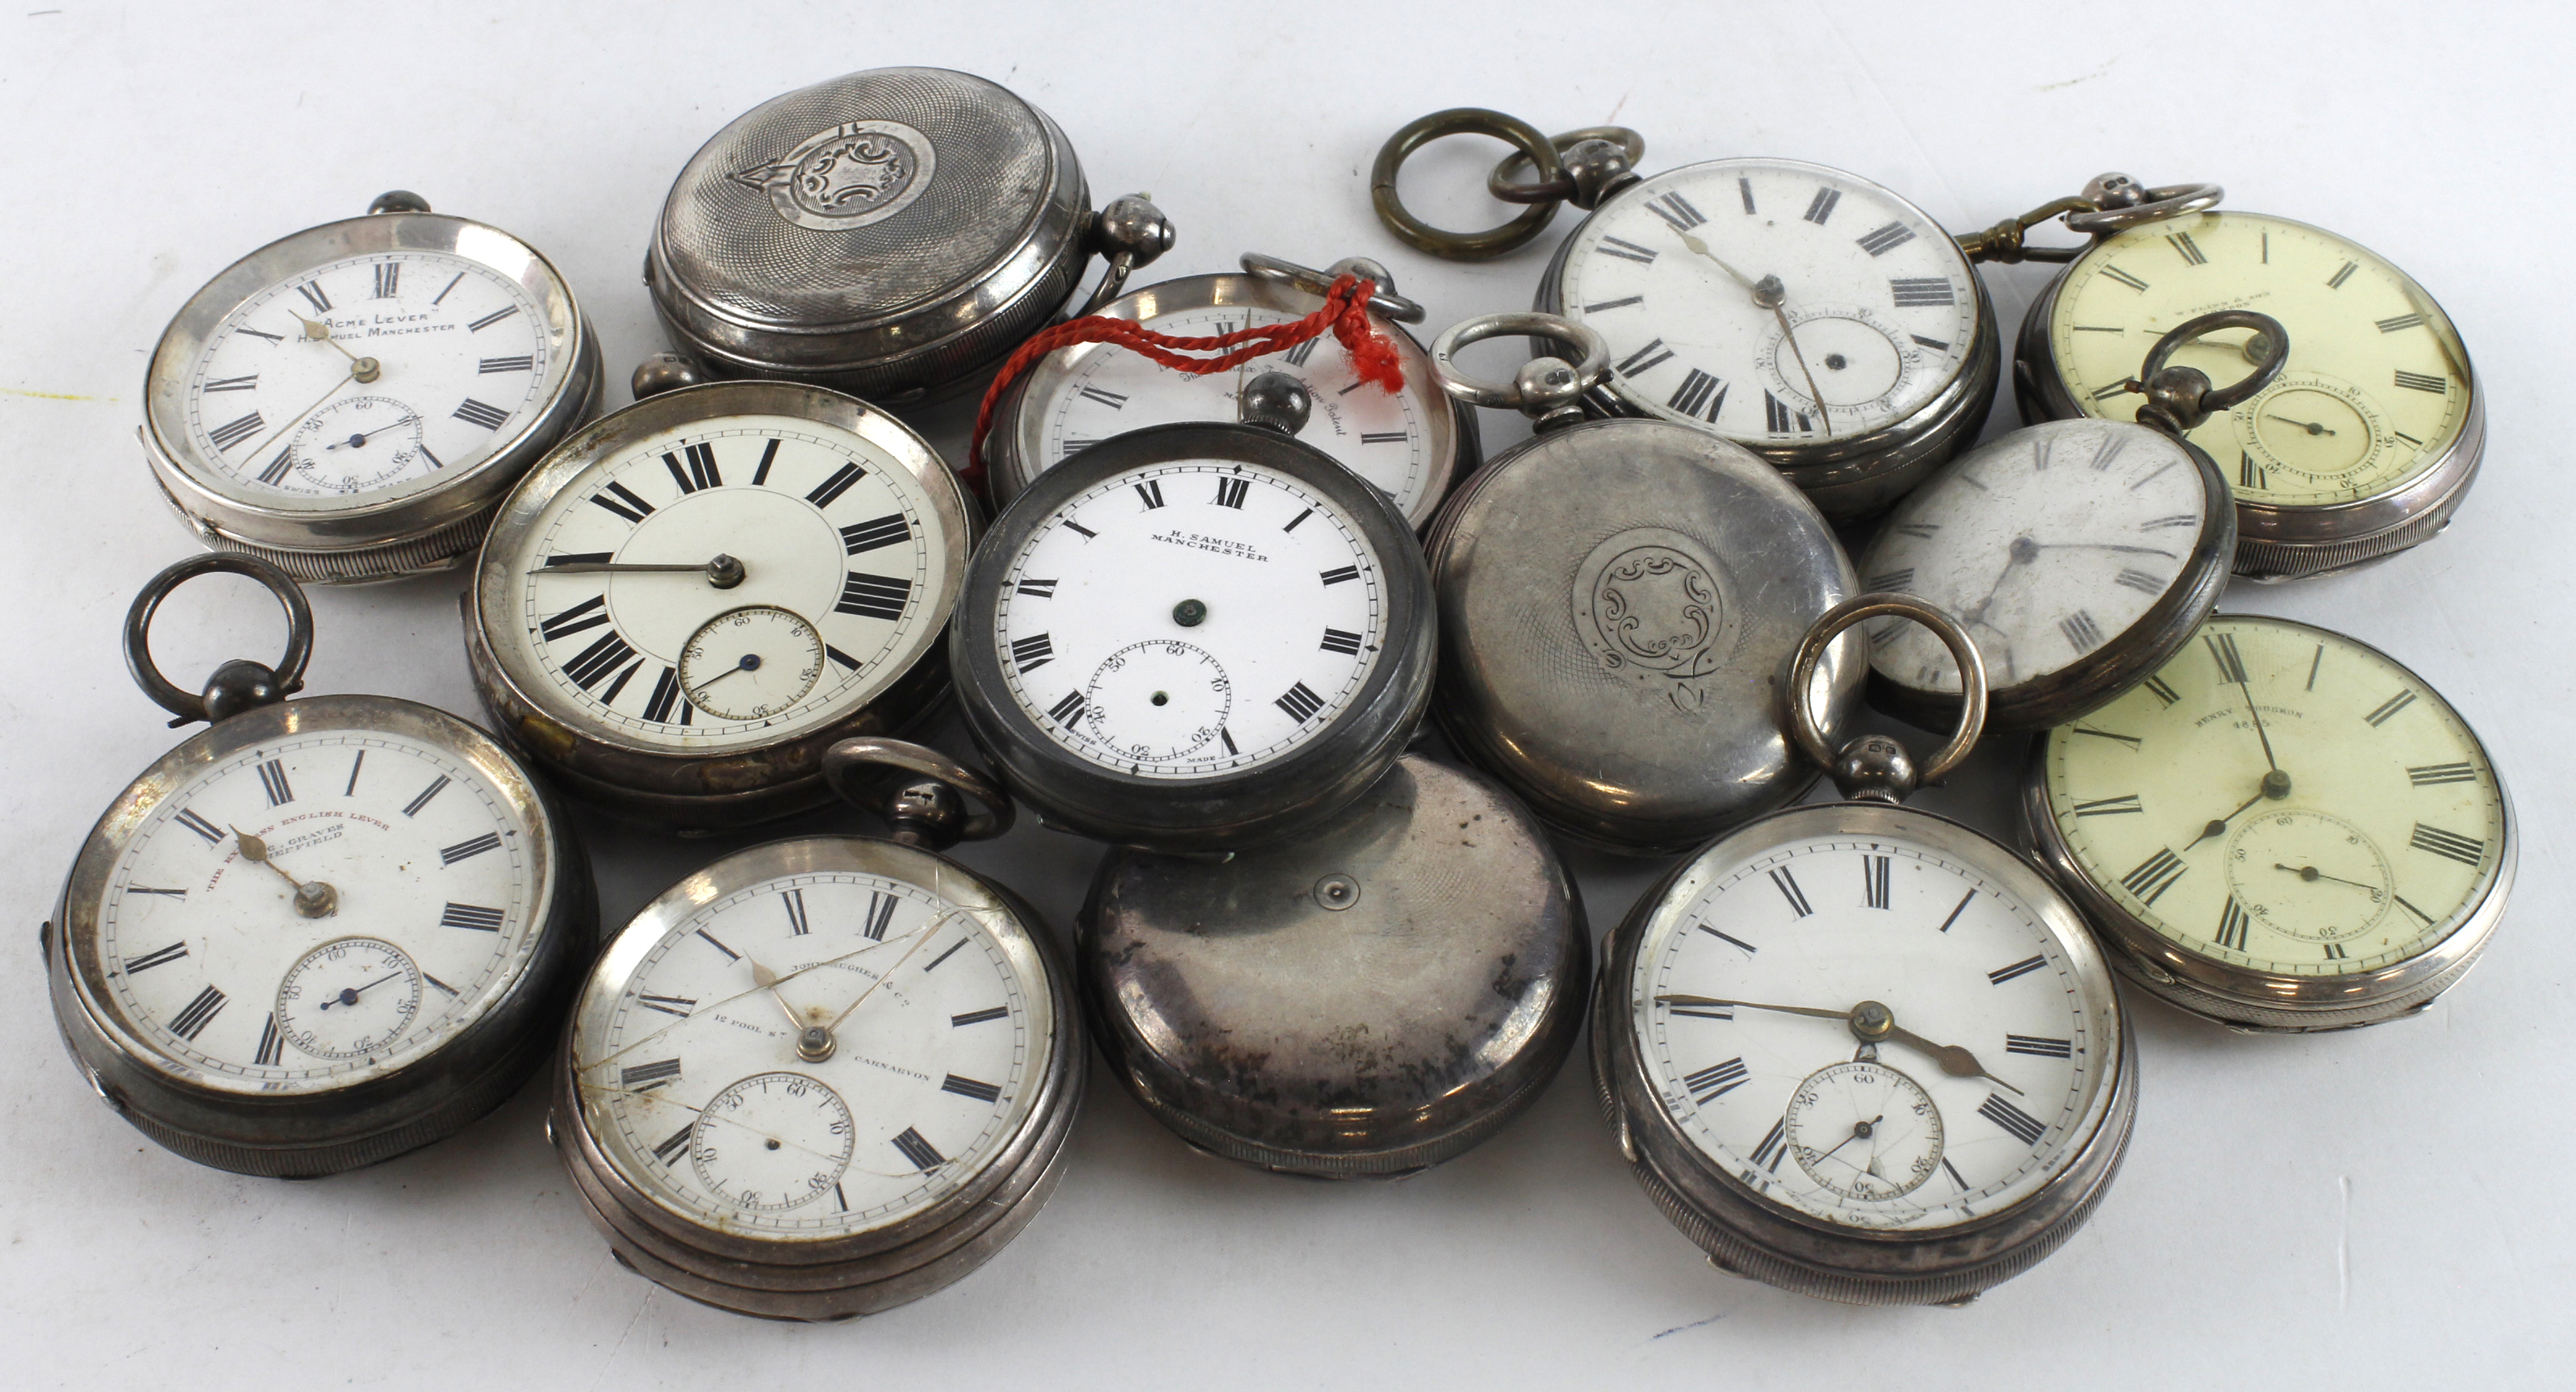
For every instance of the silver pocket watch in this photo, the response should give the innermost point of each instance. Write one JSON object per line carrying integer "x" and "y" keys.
{"x": 1374, "y": 997}
{"x": 349, "y": 403}
{"x": 1412, "y": 444}
{"x": 1618, "y": 602}
{"x": 1196, "y": 637}
{"x": 2281, "y": 829}
{"x": 692, "y": 598}
{"x": 2364, "y": 447}
{"x": 890, "y": 233}
{"x": 2082, "y": 553}
{"x": 1899, "y": 1091}
{"x": 318, "y": 933}
{"x": 1804, "y": 313}
{"x": 825, "y": 1076}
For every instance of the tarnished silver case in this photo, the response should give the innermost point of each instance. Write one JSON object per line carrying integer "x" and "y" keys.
{"x": 1619, "y": 601}
{"x": 1231, "y": 811}
{"x": 428, "y": 525}
{"x": 2261, "y": 1002}
{"x": 835, "y": 1278}
{"x": 1843, "y": 478}
{"x": 1366, "y": 1001}
{"x": 1752, "y": 1236}
{"x": 317, "y": 1133}
{"x": 733, "y": 788}
{"x": 2109, "y": 671}
{"x": 2286, "y": 543}
{"x": 889, "y": 233}
{"x": 1013, "y": 451}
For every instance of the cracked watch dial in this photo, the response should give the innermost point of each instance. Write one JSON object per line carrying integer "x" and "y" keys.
{"x": 2283, "y": 799}
{"x": 317, "y": 911}
{"x": 2377, "y": 388}
{"x": 1189, "y": 619}
{"x": 371, "y": 374}
{"x": 893, "y": 1054}
{"x": 1403, "y": 442}
{"x": 2050, "y": 544}
{"x": 727, "y": 582}
{"x": 1757, "y": 998}
{"x": 1772, "y": 301}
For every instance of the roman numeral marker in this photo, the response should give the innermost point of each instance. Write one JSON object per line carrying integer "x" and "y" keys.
{"x": 2335, "y": 281}
{"x": 680, "y": 1006}
{"x": 490, "y": 319}
{"x": 2231, "y": 663}
{"x": 2021, "y": 1124}
{"x": 589, "y": 666}
{"x": 1068, "y": 710}
{"x": 233, "y": 432}
{"x": 1820, "y": 209}
{"x": 644, "y": 1077}
{"x": 588, "y": 614}
{"x": 670, "y": 1151}
{"x": 878, "y": 917}
{"x": 977, "y": 1017}
{"x": 1653, "y": 355}
{"x": 1030, "y": 653}
{"x": 2433, "y": 775}
{"x": 472, "y": 916}
{"x": 1300, "y": 703}
{"x": 2082, "y": 633}
{"x": 1338, "y": 641}
{"x": 1298, "y": 355}
{"x": 1777, "y": 417}
{"x": 2401, "y": 323}
{"x": 1676, "y": 211}
{"x": 311, "y": 290}
{"x": 2017, "y": 970}
{"x": 1230, "y": 491}
{"x": 1694, "y": 392}
{"x": 2140, "y": 581}
{"x": 273, "y": 338}
{"x": 2390, "y": 707}
{"x": 627, "y": 505}
{"x": 250, "y": 383}
{"x": 474, "y": 412}
{"x": 1893, "y": 580}
{"x": 272, "y": 781}
{"x": 192, "y": 1020}
{"x": 149, "y": 960}
{"x": 1036, "y": 589}
{"x": 2125, "y": 278}
{"x": 1936, "y": 345}
{"x": 1729, "y": 938}
{"x": 873, "y": 596}
{"x": 1293, "y": 521}
{"x": 730, "y": 954}
{"x": 1958, "y": 909}
{"x": 189, "y": 819}
{"x": 666, "y": 699}
{"x": 968, "y": 1087}
{"x": 1887, "y": 239}
{"x": 1627, "y": 251}
{"x": 1744, "y": 188}
{"x": 2109, "y": 806}
{"x": 1340, "y": 574}
{"x": 2233, "y": 925}
{"x": 2450, "y": 845}
{"x": 793, "y": 900}
{"x": 1874, "y": 871}
{"x": 491, "y": 365}
{"x": 467, "y": 850}
{"x": 272, "y": 1044}
{"x": 1113, "y": 400}
{"x": 1614, "y": 304}
{"x": 2334, "y": 952}
{"x": 830, "y": 490}
{"x": 180, "y": 894}
{"x": 1787, "y": 884}
{"x": 2038, "y": 1046}
{"x": 2154, "y": 875}
{"x": 1151, "y": 491}
{"x": 1715, "y": 1081}
{"x": 700, "y": 472}
{"x": 1773, "y": 1147}
{"x": 2423, "y": 382}
{"x": 922, "y": 1154}
{"x": 1911, "y": 294}
{"x": 2130, "y": 740}
{"x": 1383, "y": 437}
{"x": 2188, "y": 249}
{"x": 2161, "y": 690}
{"x": 874, "y": 533}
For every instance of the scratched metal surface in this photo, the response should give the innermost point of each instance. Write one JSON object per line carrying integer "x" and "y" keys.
{"x": 2384, "y": 1208}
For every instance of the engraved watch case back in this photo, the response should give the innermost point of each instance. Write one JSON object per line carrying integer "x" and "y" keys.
{"x": 886, "y": 233}
{"x": 1368, "y": 1000}
{"x": 1618, "y": 602}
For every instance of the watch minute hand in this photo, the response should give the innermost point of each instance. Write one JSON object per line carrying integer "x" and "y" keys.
{"x": 1700, "y": 248}
{"x": 1756, "y": 1005}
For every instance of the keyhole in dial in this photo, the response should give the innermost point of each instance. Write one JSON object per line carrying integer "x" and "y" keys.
{"x": 1162, "y": 698}
{"x": 1836, "y": 362}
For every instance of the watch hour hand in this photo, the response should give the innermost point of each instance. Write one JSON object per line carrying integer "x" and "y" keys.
{"x": 1700, "y": 248}
{"x": 1953, "y": 1059}
{"x": 724, "y": 572}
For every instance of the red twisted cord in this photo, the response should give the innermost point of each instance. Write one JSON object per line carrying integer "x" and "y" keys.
{"x": 1345, "y": 313}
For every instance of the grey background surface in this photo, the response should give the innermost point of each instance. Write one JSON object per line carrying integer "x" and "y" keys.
{"x": 2378, "y": 1209}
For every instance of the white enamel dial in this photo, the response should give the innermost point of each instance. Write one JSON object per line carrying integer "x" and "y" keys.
{"x": 838, "y": 545}
{"x": 1871, "y": 1135}
{"x": 2049, "y": 544}
{"x": 317, "y": 911}
{"x": 1188, "y": 619}
{"x": 691, "y": 1078}
{"x": 371, "y": 373}
{"x": 1739, "y": 294}
{"x": 1397, "y": 441}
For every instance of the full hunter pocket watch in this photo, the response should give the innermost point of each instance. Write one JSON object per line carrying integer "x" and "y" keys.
{"x": 1618, "y": 602}
{"x": 1366, "y": 1000}
{"x": 2364, "y": 446}
{"x": 1863, "y": 1052}
{"x": 692, "y": 598}
{"x": 891, "y": 233}
{"x": 318, "y": 933}
{"x": 1804, "y": 313}
{"x": 2082, "y": 554}
{"x": 350, "y": 403}
{"x": 2282, "y": 829}
{"x": 1411, "y": 443}
{"x": 1196, "y": 637}
{"x": 823, "y": 1077}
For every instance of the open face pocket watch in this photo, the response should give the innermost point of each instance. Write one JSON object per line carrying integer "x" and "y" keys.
{"x": 1367, "y": 1000}
{"x": 2363, "y": 447}
{"x": 350, "y": 402}
{"x": 2282, "y": 829}
{"x": 1196, "y": 637}
{"x": 692, "y": 598}
{"x": 1900, "y": 1091}
{"x": 2082, "y": 554}
{"x": 1804, "y": 313}
{"x": 826, "y": 1076}
{"x": 317, "y": 933}
{"x": 1618, "y": 603}
{"x": 890, "y": 233}
{"x": 1411, "y": 443}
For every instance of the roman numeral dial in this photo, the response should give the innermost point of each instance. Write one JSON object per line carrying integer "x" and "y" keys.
{"x": 1877, "y": 312}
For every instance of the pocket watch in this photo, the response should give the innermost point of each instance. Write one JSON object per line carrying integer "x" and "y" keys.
{"x": 889, "y": 233}
{"x": 2081, "y": 553}
{"x": 1804, "y": 313}
{"x": 2281, "y": 830}
{"x": 694, "y": 597}
{"x": 825, "y": 1076}
{"x": 1196, "y": 637}
{"x": 318, "y": 933}
{"x": 1412, "y": 444}
{"x": 1618, "y": 601}
{"x": 1367, "y": 1000}
{"x": 349, "y": 403}
{"x": 2362, "y": 448}
{"x": 1900, "y": 1092}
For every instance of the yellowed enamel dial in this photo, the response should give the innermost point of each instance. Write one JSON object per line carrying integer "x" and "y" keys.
{"x": 2283, "y": 799}
{"x": 2377, "y": 386}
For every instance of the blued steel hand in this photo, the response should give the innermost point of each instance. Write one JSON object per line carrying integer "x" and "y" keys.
{"x": 2311, "y": 427}
{"x": 349, "y": 994}
{"x": 750, "y": 663}
{"x": 2312, "y": 873}
{"x": 364, "y": 436}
